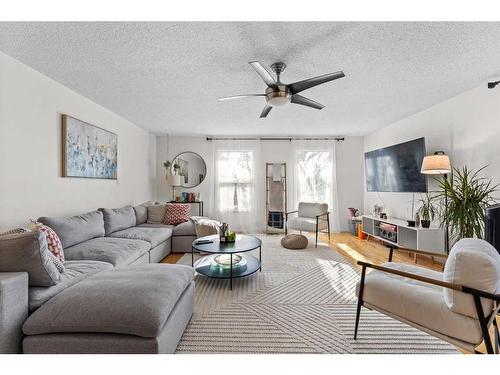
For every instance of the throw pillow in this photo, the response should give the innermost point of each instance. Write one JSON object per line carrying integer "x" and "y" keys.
{"x": 156, "y": 213}
{"x": 53, "y": 241}
{"x": 176, "y": 213}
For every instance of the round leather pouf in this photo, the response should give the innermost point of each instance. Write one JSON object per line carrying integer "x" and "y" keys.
{"x": 294, "y": 241}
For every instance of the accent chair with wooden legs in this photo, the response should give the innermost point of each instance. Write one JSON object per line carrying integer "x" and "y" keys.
{"x": 311, "y": 217}
{"x": 457, "y": 305}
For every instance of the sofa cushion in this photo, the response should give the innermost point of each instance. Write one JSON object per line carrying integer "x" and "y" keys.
{"x": 185, "y": 229}
{"x": 117, "y": 251}
{"x": 75, "y": 229}
{"x": 29, "y": 252}
{"x": 116, "y": 219}
{"x": 154, "y": 236}
{"x": 99, "y": 304}
{"x": 418, "y": 302}
{"x": 476, "y": 264}
{"x": 176, "y": 213}
{"x": 156, "y": 213}
{"x": 141, "y": 212}
{"x": 76, "y": 270}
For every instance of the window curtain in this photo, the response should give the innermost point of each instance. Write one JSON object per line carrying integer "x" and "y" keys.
{"x": 238, "y": 185}
{"x": 314, "y": 176}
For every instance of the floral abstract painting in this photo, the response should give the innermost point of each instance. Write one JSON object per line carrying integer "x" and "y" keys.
{"x": 88, "y": 151}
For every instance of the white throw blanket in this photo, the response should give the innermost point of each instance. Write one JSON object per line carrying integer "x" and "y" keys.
{"x": 205, "y": 226}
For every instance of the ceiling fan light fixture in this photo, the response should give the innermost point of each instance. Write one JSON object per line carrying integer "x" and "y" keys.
{"x": 279, "y": 96}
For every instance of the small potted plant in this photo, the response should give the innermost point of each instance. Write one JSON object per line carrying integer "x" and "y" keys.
{"x": 176, "y": 167}
{"x": 427, "y": 210}
{"x": 167, "y": 164}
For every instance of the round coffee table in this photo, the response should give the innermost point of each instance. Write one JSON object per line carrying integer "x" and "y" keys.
{"x": 207, "y": 266}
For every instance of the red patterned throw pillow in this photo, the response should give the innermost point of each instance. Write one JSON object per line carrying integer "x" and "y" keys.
{"x": 176, "y": 213}
{"x": 53, "y": 241}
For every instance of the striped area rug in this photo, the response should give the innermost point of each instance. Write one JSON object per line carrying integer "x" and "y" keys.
{"x": 303, "y": 301}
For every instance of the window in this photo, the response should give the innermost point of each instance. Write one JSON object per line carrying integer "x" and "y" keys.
{"x": 314, "y": 176}
{"x": 235, "y": 180}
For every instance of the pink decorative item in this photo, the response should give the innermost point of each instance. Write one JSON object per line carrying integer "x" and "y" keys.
{"x": 176, "y": 213}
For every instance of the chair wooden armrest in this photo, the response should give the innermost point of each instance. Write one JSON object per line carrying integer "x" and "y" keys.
{"x": 291, "y": 212}
{"x": 325, "y": 214}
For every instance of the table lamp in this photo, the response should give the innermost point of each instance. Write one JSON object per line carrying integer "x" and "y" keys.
{"x": 439, "y": 163}
{"x": 173, "y": 180}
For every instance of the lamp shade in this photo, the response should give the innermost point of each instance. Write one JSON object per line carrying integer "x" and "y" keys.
{"x": 174, "y": 180}
{"x": 436, "y": 164}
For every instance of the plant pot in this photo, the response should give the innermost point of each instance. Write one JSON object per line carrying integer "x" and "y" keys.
{"x": 425, "y": 223}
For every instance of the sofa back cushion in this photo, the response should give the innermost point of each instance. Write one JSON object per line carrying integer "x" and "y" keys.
{"x": 29, "y": 252}
{"x": 311, "y": 210}
{"x": 141, "y": 212}
{"x": 73, "y": 230}
{"x": 474, "y": 263}
{"x": 116, "y": 219}
{"x": 156, "y": 213}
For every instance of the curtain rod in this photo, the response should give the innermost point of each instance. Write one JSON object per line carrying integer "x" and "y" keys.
{"x": 289, "y": 139}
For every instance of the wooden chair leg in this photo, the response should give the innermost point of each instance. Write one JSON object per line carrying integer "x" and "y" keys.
{"x": 483, "y": 324}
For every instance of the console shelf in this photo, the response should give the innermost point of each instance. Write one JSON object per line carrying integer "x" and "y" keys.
{"x": 416, "y": 238}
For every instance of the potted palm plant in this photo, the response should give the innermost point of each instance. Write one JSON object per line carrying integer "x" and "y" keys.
{"x": 428, "y": 210}
{"x": 467, "y": 195}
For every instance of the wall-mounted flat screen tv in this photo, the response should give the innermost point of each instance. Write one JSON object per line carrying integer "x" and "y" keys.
{"x": 396, "y": 168}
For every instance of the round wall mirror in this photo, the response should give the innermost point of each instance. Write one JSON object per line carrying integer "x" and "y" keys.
{"x": 192, "y": 168}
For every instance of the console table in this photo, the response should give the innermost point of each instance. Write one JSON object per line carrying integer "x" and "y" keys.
{"x": 417, "y": 238}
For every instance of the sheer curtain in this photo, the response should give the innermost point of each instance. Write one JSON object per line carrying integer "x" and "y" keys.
{"x": 314, "y": 176}
{"x": 238, "y": 184}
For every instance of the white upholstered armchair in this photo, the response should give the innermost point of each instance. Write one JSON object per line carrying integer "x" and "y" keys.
{"x": 457, "y": 305}
{"x": 311, "y": 217}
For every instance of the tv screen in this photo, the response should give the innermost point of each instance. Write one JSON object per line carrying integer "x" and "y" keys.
{"x": 396, "y": 168}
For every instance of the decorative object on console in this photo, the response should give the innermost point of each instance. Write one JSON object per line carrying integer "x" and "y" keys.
{"x": 176, "y": 213}
{"x": 191, "y": 167}
{"x": 439, "y": 163}
{"x": 468, "y": 195}
{"x": 428, "y": 210}
{"x": 87, "y": 150}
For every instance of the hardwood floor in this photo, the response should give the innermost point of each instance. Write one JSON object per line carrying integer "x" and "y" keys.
{"x": 354, "y": 249}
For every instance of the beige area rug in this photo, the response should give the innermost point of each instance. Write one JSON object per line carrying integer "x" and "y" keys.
{"x": 303, "y": 301}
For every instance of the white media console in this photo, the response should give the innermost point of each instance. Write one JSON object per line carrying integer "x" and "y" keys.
{"x": 416, "y": 238}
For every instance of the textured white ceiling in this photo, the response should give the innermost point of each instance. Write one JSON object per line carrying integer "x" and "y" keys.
{"x": 166, "y": 76}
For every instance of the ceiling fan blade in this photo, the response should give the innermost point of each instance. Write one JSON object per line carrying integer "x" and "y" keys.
{"x": 311, "y": 82}
{"x": 240, "y": 96}
{"x": 263, "y": 73}
{"x": 299, "y": 99}
{"x": 266, "y": 111}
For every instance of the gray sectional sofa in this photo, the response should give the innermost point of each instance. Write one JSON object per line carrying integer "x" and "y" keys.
{"x": 110, "y": 297}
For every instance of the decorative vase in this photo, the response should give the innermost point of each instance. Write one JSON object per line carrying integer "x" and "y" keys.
{"x": 417, "y": 219}
{"x": 425, "y": 223}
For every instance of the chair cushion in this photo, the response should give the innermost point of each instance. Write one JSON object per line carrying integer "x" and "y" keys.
{"x": 117, "y": 251}
{"x": 305, "y": 223}
{"x": 99, "y": 303}
{"x": 474, "y": 263}
{"x": 29, "y": 252}
{"x": 154, "y": 236}
{"x": 116, "y": 219}
{"x": 294, "y": 241}
{"x": 156, "y": 213}
{"x": 312, "y": 209}
{"x": 75, "y": 229}
{"x": 417, "y": 302}
{"x": 176, "y": 213}
{"x": 75, "y": 271}
{"x": 141, "y": 212}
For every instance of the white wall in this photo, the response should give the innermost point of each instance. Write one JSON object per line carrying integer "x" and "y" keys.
{"x": 467, "y": 127}
{"x": 31, "y": 185}
{"x": 349, "y": 168}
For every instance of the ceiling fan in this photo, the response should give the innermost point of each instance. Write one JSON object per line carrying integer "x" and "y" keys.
{"x": 278, "y": 93}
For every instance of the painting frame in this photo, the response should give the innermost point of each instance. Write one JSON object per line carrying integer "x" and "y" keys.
{"x": 65, "y": 125}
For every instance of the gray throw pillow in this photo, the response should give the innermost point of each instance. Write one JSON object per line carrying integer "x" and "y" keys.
{"x": 28, "y": 252}
{"x": 141, "y": 212}
{"x": 116, "y": 219}
{"x": 156, "y": 213}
